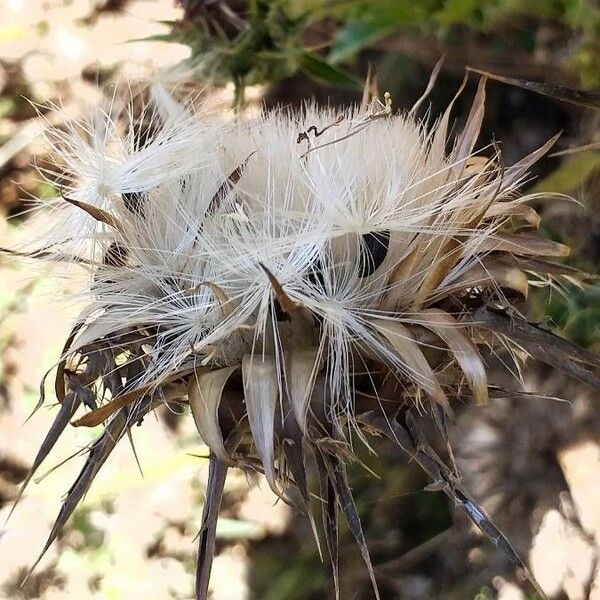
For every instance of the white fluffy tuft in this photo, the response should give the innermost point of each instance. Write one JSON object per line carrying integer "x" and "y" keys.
{"x": 304, "y": 197}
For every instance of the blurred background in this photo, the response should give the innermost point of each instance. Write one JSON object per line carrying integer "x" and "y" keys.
{"x": 534, "y": 464}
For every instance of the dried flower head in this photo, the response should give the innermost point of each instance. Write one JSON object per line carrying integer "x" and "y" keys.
{"x": 296, "y": 278}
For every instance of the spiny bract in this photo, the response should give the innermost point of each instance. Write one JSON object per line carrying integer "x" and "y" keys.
{"x": 295, "y": 278}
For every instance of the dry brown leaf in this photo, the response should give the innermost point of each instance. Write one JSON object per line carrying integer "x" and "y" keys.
{"x": 523, "y": 244}
{"x": 493, "y": 274}
{"x": 418, "y": 369}
{"x": 514, "y": 209}
{"x": 450, "y": 331}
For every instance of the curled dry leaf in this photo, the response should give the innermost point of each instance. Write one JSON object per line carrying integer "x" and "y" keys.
{"x": 523, "y": 244}
{"x": 463, "y": 349}
{"x": 405, "y": 345}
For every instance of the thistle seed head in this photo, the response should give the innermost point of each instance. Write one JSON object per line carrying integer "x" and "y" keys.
{"x": 293, "y": 278}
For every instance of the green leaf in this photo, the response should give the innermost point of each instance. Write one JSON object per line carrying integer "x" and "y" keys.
{"x": 320, "y": 70}
{"x": 374, "y": 25}
{"x": 354, "y": 37}
{"x": 571, "y": 173}
{"x": 458, "y": 11}
{"x": 583, "y": 327}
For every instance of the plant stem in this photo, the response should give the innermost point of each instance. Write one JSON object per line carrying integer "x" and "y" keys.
{"x": 238, "y": 95}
